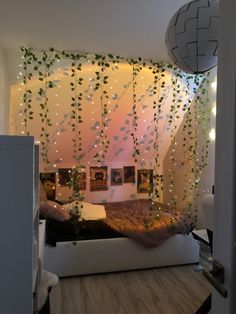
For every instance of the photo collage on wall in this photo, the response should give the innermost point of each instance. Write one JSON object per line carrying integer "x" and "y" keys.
{"x": 98, "y": 179}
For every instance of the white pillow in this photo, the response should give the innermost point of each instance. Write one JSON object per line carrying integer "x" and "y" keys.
{"x": 87, "y": 211}
{"x": 92, "y": 211}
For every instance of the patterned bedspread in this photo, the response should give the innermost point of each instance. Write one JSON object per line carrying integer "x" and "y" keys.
{"x": 143, "y": 222}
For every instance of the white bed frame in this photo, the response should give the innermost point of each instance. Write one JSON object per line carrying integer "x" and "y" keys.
{"x": 118, "y": 254}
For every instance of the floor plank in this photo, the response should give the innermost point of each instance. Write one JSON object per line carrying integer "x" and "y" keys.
{"x": 172, "y": 290}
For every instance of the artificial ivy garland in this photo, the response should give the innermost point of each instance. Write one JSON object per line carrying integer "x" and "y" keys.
{"x": 41, "y": 64}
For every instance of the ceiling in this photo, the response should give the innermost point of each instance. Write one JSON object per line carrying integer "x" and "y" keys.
{"x": 125, "y": 27}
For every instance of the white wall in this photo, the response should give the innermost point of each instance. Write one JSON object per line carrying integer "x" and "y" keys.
{"x": 4, "y": 95}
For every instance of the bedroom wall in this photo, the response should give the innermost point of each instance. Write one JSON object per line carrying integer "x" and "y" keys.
{"x": 120, "y": 102}
{"x": 4, "y": 95}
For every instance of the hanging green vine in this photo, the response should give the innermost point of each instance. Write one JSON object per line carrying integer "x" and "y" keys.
{"x": 195, "y": 121}
{"x": 28, "y": 60}
{"x": 44, "y": 67}
{"x": 136, "y": 68}
{"x": 76, "y": 105}
{"x": 102, "y": 80}
{"x": 158, "y": 85}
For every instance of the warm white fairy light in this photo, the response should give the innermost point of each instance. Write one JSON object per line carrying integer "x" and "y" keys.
{"x": 214, "y": 85}
{"x": 213, "y": 110}
{"x": 212, "y": 134}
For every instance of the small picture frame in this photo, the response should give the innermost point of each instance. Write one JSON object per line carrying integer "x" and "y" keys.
{"x": 98, "y": 178}
{"x": 116, "y": 176}
{"x": 48, "y": 180}
{"x": 145, "y": 181}
{"x": 129, "y": 174}
{"x": 64, "y": 176}
{"x": 79, "y": 181}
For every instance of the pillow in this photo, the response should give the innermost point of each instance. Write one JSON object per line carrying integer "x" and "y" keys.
{"x": 87, "y": 211}
{"x": 53, "y": 210}
{"x": 92, "y": 211}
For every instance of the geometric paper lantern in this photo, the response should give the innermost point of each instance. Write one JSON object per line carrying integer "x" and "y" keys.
{"x": 192, "y": 36}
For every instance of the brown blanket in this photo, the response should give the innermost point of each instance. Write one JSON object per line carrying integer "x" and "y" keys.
{"x": 143, "y": 222}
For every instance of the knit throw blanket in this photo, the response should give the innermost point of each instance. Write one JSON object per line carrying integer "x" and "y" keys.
{"x": 148, "y": 223}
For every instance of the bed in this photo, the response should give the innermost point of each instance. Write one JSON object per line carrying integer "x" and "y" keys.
{"x": 134, "y": 235}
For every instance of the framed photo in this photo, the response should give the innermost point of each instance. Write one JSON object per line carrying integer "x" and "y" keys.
{"x": 116, "y": 176}
{"x": 79, "y": 180}
{"x": 129, "y": 174}
{"x": 145, "y": 181}
{"x": 48, "y": 180}
{"x": 98, "y": 178}
{"x": 64, "y": 176}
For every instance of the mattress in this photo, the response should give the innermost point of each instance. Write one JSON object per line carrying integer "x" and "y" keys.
{"x": 73, "y": 230}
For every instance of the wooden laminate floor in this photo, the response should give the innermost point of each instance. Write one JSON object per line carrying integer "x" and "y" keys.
{"x": 172, "y": 290}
